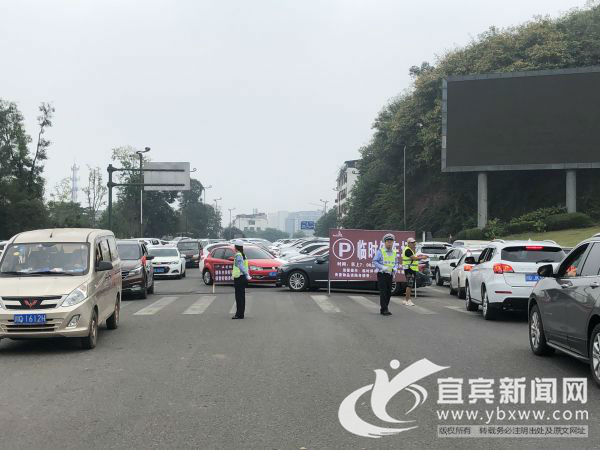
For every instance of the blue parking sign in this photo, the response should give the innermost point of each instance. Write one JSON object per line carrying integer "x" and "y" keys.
{"x": 307, "y": 225}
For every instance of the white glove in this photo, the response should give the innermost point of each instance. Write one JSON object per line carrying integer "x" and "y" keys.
{"x": 248, "y": 277}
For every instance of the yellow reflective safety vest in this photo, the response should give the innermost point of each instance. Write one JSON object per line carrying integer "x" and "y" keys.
{"x": 389, "y": 261}
{"x": 408, "y": 263}
{"x": 236, "y": 270}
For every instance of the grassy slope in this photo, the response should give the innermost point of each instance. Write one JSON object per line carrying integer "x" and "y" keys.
{"x": 566, "y": 238}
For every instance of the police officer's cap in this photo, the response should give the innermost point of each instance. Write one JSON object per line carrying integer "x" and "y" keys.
{"x": 389, "y": 237}
{"x": 238, "y": 243}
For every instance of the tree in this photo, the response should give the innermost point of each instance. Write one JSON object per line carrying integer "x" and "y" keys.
{"x": 270, "y": 234}
{"x": 95, "y": 192}
{"x": 299, "y": 234}
{"x": 44, "y": 121}
{"x": 232, "y": 233}
{"x": 62, "y": 191}
{"x": 196, "y": 218}
{"x": 325, "y": 222}
{"x": 21, "y": 184}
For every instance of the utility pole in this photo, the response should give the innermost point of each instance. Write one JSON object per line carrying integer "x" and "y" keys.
{"x": 230, "y": 209}
{"x": 216, "y": 204}
{"x": 74, "y": 179}
{"x": 204, "y": 189}
{"x": 141, "y": 155}
{"x": 324, "y": 205}
{"x": 404, "y": 187}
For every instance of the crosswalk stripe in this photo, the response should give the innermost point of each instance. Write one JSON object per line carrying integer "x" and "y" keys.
{"x": 325, "y": 304}
{"x": 364, "y": 302}
{"x": 155, "y": 307}
{"x": 200, "y": 305}
{"x": 416, "y": 308}
{"x": 246, "y": 309}
{"x": 460, "y": 309}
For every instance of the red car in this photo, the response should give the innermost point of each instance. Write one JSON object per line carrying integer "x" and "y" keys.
{"x": 263, "y": 267}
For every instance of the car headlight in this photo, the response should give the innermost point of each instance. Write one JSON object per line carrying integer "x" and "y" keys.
{"x": 136, "y": 271}
{"x": 78, "y": 295}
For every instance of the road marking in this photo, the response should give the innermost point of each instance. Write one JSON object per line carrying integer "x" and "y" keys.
{"x": 364, "y": 302}
{"x": 325, "y": 304}
{"x": 200, "y": 305}
{"x": 460, "y": 309}
{"x": 416, "y": 308}
{"x": 155, "y": 307}
{"x": 246, "y": 309}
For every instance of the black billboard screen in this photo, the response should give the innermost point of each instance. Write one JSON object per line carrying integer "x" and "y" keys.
{"x": 533, "y": 120}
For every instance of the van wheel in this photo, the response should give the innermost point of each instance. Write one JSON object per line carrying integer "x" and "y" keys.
{"x": 207, "y": 278}
{"x": 112, "y": 323}
{"x": 89, "y": 342}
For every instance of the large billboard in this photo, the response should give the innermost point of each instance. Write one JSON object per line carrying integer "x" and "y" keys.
{"x": 351, "y": 253}
{"x": 522, "y": 120}
{"x": 167, "y": 176}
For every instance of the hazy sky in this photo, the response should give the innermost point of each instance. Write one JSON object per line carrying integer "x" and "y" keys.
{"x": 266, "y": 98}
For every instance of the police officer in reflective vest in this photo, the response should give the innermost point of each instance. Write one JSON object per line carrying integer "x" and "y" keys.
{"x": 410, "y": 264}
{"x": 241, "y": 275}
{"x": 386, "y": 263}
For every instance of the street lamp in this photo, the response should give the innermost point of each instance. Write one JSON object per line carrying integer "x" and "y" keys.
{"x": 205, "y": 188}
{"x": 230, "y": 209}
{"x": 140, "y": 153}
{"x": 216, "y": 204}
{"x": 324, "y": 204}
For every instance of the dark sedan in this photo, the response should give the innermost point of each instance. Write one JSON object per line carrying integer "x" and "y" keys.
{"x": 312, "y": 273}
{"x": 191, "y": 249}
{"x": 564, "y": 307}
{"x": 136, "y": 269}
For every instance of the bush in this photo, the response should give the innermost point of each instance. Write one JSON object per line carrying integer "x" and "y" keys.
{"x": 522, "y": 227}
{"x": 494, "y": 228}
{"x": 474, "y": 234}
{"x": 568, "y": 220}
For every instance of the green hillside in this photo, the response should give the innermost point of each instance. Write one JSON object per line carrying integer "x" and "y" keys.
{"x": 566, "y": 238}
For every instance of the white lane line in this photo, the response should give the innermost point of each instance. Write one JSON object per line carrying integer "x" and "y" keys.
{"x": 325, "y": 304}
{"x": 155, "y": 307}
{"x": 460, "y": 309}
{"x": 364, "y": 302}
{"x": 416, "y": 308}
{"x": 200, "y": 305}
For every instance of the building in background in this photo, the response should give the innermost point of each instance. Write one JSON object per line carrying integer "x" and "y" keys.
{"x": 295, "y": 219}
{"x": 346, "y": 180}
{"x": 277, "y": 220}
{"x": 251, "y": 222}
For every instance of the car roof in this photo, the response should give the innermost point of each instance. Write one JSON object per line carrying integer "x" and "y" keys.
{"x": 432, "y": 243}
{"x": 60, "y": 235}
{"x": 512, "y": 243}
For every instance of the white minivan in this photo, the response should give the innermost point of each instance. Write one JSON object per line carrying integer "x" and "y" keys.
{"x": 60, "y": 282}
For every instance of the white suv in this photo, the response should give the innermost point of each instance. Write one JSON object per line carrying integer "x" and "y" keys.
{"x": 442, "y": 271}
{"x": 505, "y": 273}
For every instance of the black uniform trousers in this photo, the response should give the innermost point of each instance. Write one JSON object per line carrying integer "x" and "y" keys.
{"x": 239, "y": 284}
{"x": 384, "y": 284}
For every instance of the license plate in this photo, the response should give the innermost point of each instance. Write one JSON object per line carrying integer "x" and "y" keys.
{"x": 272, "y": 274}
{"x": 159, "y": 270}
{"x": 28, "y": 319}
{"x": 532, "y": 277}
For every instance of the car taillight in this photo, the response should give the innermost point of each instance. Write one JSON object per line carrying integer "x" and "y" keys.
{"x": 502, "y": 268}
{"x": 533, "y": 247}
{"x": 467, "y": 267}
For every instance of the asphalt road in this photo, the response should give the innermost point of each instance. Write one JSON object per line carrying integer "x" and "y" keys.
{"x": 181, "y": 374}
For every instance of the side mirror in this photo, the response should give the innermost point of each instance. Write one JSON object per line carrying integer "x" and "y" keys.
{"x": 150, "y": 257}
{"x": 452, "y": 264}
{"x": 546, "y": 271}
{"x": 470, "y": 260}
{"x": 103, "y": 266}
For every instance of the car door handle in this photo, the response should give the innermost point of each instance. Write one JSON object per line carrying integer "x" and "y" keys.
{"x": 595, "y": 284}
{"x": 566, "y": 285}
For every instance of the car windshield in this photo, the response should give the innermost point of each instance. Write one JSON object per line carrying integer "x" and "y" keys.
{"x": 256, "y": 253}
{"x": 46, "y": 258}
{"x": 431, "y": 250}
{"x": 188, "y": 246}
{"x": 129, "y": 251}
{"x": 533, "y": 254}
{"x": 473, "y": 254}
{"x": 162, "y": 251}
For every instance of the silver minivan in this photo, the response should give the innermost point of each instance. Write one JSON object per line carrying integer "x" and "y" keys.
{"x": 60, "y": 282}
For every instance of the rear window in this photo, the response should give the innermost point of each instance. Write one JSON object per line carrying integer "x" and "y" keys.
{"x": 533, "y": 254}
{"x": 129, "y": 251}
{"x": 434, "y": 250}
{"x": 188, "y": 246}
{"x": 162, "y": 251}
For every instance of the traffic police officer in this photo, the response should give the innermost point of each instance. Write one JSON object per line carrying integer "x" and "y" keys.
{"x": 241, "y": 275}
{"x": 410, "y": 264}
{"x": 386, "y": 263}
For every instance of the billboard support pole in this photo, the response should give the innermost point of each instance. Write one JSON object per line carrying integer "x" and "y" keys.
{"x": 571, "y": 192}
{"x": 482, "y": 200}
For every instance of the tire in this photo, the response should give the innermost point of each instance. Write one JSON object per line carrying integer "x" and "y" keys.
{"x": 151, "y": 288}
{"x": 488, "y": 312}
{"x": 144, "y": 293}
{"x": 469, "y": 303}
{"x": 452, "y": 290}
{"x": 89, "y": 342}
{"x": 438, "y": 279}
{"x": 595, "y": 354}
{"x": 537, "y": 337}
{"x": 183, "y": 272}
{"x": 112, "y": 323}
{"x": 207, "y": 277}
{"x": 462, "y": 293}
{"x": 298, "y": 281}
